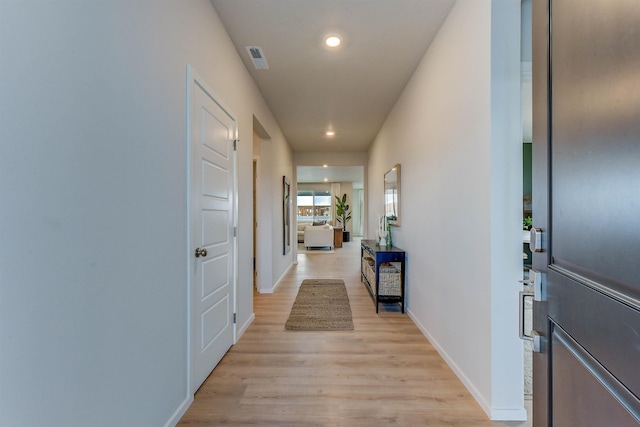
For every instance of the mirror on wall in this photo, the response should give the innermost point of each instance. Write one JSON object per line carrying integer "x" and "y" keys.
{"x": 392, "y": 195}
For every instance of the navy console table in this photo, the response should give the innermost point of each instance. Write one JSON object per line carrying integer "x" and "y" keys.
{"x": 383, "y": 279}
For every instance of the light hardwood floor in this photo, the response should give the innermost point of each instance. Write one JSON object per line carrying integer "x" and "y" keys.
{"x": 383, "y": 373}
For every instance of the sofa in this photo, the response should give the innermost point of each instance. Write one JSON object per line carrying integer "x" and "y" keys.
{"x": 318, "y": 236}
{"x": 301, "y": 226}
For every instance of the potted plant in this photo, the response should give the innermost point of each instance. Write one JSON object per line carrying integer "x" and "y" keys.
{"x": 343, "y": 216}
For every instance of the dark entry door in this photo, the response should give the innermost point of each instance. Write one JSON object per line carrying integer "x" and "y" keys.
{"x": 587, "y": 204}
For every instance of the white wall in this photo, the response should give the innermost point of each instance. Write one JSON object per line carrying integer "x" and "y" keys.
{"x": 358, "y": 197}
{"x": 456, "y": 132}
{"x": 275, "y": 163}
{"x": 507, "y": 385}
{"x": 93, "y": 256}
{"x": 265, "y": 195}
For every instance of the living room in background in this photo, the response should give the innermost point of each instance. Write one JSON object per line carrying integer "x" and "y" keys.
{"x": 314, "y": 205}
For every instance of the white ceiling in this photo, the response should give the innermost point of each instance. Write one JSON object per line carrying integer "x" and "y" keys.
{"x": 351, "y": 89}
{"x": 354, "y": 174}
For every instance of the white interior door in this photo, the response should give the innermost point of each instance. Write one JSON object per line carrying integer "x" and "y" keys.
{"x": 212, "y": 133}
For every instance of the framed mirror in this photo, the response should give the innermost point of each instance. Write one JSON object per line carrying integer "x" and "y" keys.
{"x": 286, "y": 215}
{"x": 392, "y": 195}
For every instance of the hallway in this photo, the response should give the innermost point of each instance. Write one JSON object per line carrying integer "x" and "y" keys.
{"x": 383, "y": 373}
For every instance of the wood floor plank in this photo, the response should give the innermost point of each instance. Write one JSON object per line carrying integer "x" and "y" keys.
{"x": 384, "y": 372}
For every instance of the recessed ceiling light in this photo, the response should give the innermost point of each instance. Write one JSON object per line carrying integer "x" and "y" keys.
{"x": 330, "y": 133}
{"x": 326, "y": 179}
{"x": 325, "y": 166}
{"x": 333, "y": 41}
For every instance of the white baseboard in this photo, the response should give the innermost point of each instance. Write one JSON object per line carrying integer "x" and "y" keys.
{"x": 182, "y": 409}
{"x": 244, "y": 327}
{"x": 275, "y": 286}
{"x": 179, "y": 413}
{"x": 509, "y": 414}
{"x": 494, "y": 414}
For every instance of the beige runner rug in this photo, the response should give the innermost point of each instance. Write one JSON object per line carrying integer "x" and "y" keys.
{"x": 321, "y": 305}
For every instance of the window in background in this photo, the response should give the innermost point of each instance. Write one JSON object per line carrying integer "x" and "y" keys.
{"x": 314, "y": 206}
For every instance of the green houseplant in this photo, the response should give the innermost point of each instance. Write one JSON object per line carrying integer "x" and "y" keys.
{"x": 343, "y": 215}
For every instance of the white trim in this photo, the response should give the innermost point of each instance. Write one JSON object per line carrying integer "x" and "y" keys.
{"x": 508, "y": 414}
{"x": 194, "y": 77}
{"x": 236, "y": 143}
{"x": 494, "y": 414}
{"x": 179, "y": 412}
{"x": 246, "y": 325}
{"x": 275, "y": 286}
{"x": 189, "y": 397}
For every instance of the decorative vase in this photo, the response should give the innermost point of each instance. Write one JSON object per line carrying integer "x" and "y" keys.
{"x": 383, "y": 237}
{"x": 383, "y": 228}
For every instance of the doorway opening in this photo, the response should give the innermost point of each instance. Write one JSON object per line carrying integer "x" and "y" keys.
{"x": 261, "y": 208}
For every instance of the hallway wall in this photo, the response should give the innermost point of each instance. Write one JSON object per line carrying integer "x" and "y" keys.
{"x": 275, "y": 162}
{"x": 456, "y": 132}
{"x": 93, "y": 178}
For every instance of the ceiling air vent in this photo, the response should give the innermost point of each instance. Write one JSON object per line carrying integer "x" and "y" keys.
{"x": 257, "y": 56}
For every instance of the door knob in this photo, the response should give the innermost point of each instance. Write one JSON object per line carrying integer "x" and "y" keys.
{"x": 201, "y": 252}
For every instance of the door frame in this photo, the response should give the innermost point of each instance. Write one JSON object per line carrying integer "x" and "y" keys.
{"x": 255, "y": 284}
{"x": 540, "y": 197}
{"x": 194, "y": 77}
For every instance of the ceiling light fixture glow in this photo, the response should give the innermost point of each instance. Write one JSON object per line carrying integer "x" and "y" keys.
{"x": 330, "y": 133}
{"x": 333, "y": 41}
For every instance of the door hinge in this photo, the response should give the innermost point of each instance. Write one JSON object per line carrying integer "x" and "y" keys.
{"x": 234, "y": 318}
{"x": 235, "y": 144}
{"x": 235, "y": 231}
